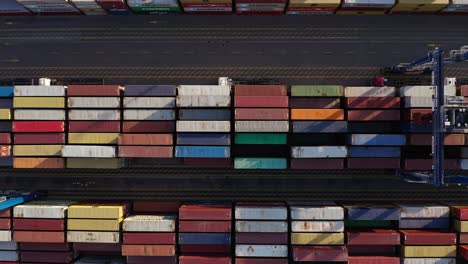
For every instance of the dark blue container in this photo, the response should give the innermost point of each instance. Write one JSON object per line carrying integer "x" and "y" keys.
{"x": 373, "y": 213}
{"x": 320, "y": 127}
{"x": 376, "y": 152}
{"x": 416, "y": 128}
{"x": 6, "y": 102}
{"x": 205, "y": 114}
{"x": 6, "y": 91}
{"x": 150, "y": 90}
{"x": 424, "y": 223}
{"x": 374, "y": 127}
{"x": 377, "y": 140}
{"x": 204, "y": 239}
{"x": 203, "y": 139}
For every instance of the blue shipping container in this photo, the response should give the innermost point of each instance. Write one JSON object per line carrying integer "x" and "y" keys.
{"x": 373, "y": 127}
{"x": 150, "y": 90}
{"x": 204, "y": 239}
{"x": 202, "y": 152}
{"x": 260, "y": 163}
{"x": 203, "y": 139}
{"x": 205, "y": 114}
{"x": 416, "y": 128}
{"x": 377, "y": 140}
{"x": 377, "y": 152}
{"x": 6, "y": 91}
{"x": 373, "y": 213}
{"x": 320, "y": 127}
{"x": 424, "y": 223}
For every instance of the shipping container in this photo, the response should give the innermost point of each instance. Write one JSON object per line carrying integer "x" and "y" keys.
{"x": 317, "y": 238}
{"x": 36, "y": 102}
{"x": 204, "y": 226}
{"x": 373, "y": 237}
{"x": 261, "y": 126}
{"x": 261, "y": 227}
{"x": 146, "y": 139}
{"x": 39, "y": 138}
{"x": 95, "y": 163}
{"x": 93, "y": 237}
{"x": 149, "y": 102}
{"x": 424, "y": 237}
{"x": 429, "y": 260}
{"x": 204, "y": 239}
{"x": 38, "y": 224}
{"x": 88, "y": 151}
{"x": 423, "y": 91}
{"x": 204, "y": 126}
{"x": 100, "y": 260}
{"x": 93, "y": 102}
{"x": 38, "y": 126}
{"x": 39, "y": 236}
{"x": 6, "y": 102}
{"x": 262, "y": 114}
{"x": 94, "y": 126}
{"x": 369, "y": 91}
{"x": 373, "y": 212}
{"x": 424, "y": 211}
{"x": 143, "y": 238}
{"x": 260, "y": 212}
{"x": 317, "y": 226}
{"x": 156, "y": 206}
{"x": 7, "y": 91}
{"x": 203, "y": 101}
{"x": 93, "y": 90}
{"x": 204, "y": 90}
{"x": 319, "y": 152}
{"x": 261, "y": 90}
{"x": 5, "y": 114}
{"x": 317, "y": 90}
{"x": 277, "y": 251}
{"x": 94, "y": 224}
{"x": 148, "y": 250}
{"x": 370, "y": 152}
{"x": 429, "y": 251}
{"x": 211, "y": 139}
{"x": 37, "y": 150}
{"x": 317, "y": 102}
{"x": 37, "y": 114}
{"x": 204, "y": 260}
{"x": 148, "y": 126}
{"x": 46, "y": 246}
{"x": 460, "y": 212}
{"x": 377, "y": 140}
{"x": 38, "y": 163}
{"x": 261, "y": 101}
{"x": 418, "y": 101}
{"x": 261, "y": 138}
{"x": 150, "y": 90}
{"x": 320, "y": 253}
{"x": 205, "y": 114}
{"x": 317, "y": 114}
{"x": 255, "y": 238}
{"x": 149, "y": 114}
{"x": 206, "y": 211}
{"x": 94, "y": 115}
{"x": 149, "y": 223}
{"x": 8, "y": 246}
{"x": 325, "y": 212}
{"x": 9, "y": 257}
{"x": 260, "y": 163}
{"x": 93, "y": 138}
{"x": 373, "y": 115}
{"x": 262, "y": 260}
{"x": 51, "y": 209}
{"x": 202, "y": 152}
{"x": 373, "y": 260}
{"x": 38, "y": 90}
{"x": 104, "y": 210}
{"x": 5, "y": 235}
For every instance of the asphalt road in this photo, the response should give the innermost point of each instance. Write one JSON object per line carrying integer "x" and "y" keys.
{"x": 196, "y": 49}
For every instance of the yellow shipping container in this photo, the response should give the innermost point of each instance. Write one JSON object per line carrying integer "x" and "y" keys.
{"x": 39, "y": 102}
{"x": 420, "y": 5}
{"x": 94, "y": 225}
{"x": 317, "y": 238}
{"x": 93, "y": 138}
{"x": 96, "y": 211}
{"x": 429, "y": 251}
{"x": 461, "y": 226}
{"x": 369, "y": 13}
{"x": 37, "y": 150}
{"x": 95, "y": 163}
{"x": 5, "y": 114}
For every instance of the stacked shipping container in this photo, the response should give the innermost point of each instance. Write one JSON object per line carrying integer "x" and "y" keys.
{"x": 261, "y": 126}
{"x": 12, "y": 8}
{"x": 207, "y": 7}
{"x": 418, "y": 6}
{"x": 261, "y": 7}
{"x": 39, "y": 126}
{"x": 6, "y": 105}
{"x": 50, "y": 7}
{"x": 9, "y": 253}
{"x": 312, "y": 7}
{"x": 373, "y": 246}
{"x": 154, "y": 6}
{"x": 115, "y": 7}
{"x": 89, "y": 7}
{"x": 456, "y": 7}
{"x": 460, "y": 218}
{"x": 8, "y": 248}
{"x": 360, "y": 7}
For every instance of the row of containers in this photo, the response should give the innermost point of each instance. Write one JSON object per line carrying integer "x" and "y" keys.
{"x": 270, "y": 7}
{"x": 259, "y": 127}
{"x": 163, "y": 232}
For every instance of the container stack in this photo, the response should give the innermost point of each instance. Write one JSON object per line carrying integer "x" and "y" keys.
{"x": 50, "y": 7}
{"x": 261, "y": 232}
{"x": 204, "y": 126}
{"x": 460, "y": 216}
{"x": 418, "y": 7}
{"x": 376, "y": 105}
{"x": 428, "y": 247}
{"x": 317, "y": 232}
{"x": 382, "y": 242}
{"x": 9, "y": 253}
{"x": 157, "y": 7}
{"x": 418, "y": 126}
{"x": 6, "y": 105}
{"x": 205, "y": 233}
{"x": 149, "y": 239}
{"x": 365, "y": 7}
{"x": 456, "y": 7}
{"x": 260, "y": 7}
{"x": 89, "y": 7}
{"x": 39, "y": 127}
{"x": 13, "y": 8}
{"x": 93, "y": 127}
{"x": 8, "y": 248}
{"x": 40, "y": 228}
{"x": 319, "y": 130}
{"x": 262, "y": 126}
{"x": 115, "y": 7}
{"x": 210, "y": 7}
{"x": 312, "y": 7}
{"x": 152, "y": 109}
{"x": 430, "y": 216}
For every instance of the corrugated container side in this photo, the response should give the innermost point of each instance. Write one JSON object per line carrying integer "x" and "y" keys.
{"x": 94, "y": 115}
{"x": 262, "y": 251}
{"x": 261, "y": 227}
{"x": 202, "y": 152}
{"x": 37, "y": 90}
{"x": 260, "y": 163}
{"x": 262, "y": 114}
{"x": 149, "y": 114}
{"x": 149, "y": 102}
{"x": 37, "y": 114}
{"x": 425, "y": 90}
{"x": 93, "y": 237}
{"x": 89, "y": 151}
{"x": 93, "y": 102}
{"x": 261, "y": 101}
{"x": 261, "y": 90}
{"x": 203, "y": 101}
{"x": 319, "y": 152}
{"x": 317, "y": 226}
{"x": 38, "y": 163}
{"x": 370, "y": 91}
{"x": 145, "y": 139}
{"x": 205, "y": 114}
{"x": 203, "y": 126}
{"x": 223, "y": 90}
{"x": 320, "y": 126}
{"x": 317, "y": 90}
{"x": 150, "y": 90}
{"x": 93, "y": 90}
{"x": 262, "y": 126}
{"x": 377, "y": 139}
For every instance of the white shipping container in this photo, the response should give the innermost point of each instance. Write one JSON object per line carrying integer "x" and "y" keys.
{"x": 42, "y": 209}
{"x": 262, "y": 226}
{"x": 418, "y": 101}
{"x": 429, "y": 260}
{"x": 9, "y": 256}
{"x": 93, "y": 102}
{"x": 261, "y": 212}
{"x": 319, "y": 152}
{"x": 424, "y": 211}
{"x": 370, "y": 91}
{"x": 203, "y": 101}
{"x": 153, "y": 114}
{"x": 203, "y": 126}
{"x": 152, "y": 3}
{"x": 456, "y": 9}
{"x": 94, "y": 115}
{"x": 149, "y": 102}
{"x": 93, "y": 237}
{"x": 317, "y": 212}
{"x": 262, "y": 126}
{"x": 274, "y": 251}
{"x": 8, "y": 246}
{"x": 425, "y": 91}
{"x": 69, "y": 151}
{"x": 5, "y": 235}
{"x": 368, "y": 3}
{"x": 38, "y": 114}
{"x": 149, "y": 223}
{"x": 38, "y": 90}
{"x": 317, "y": 226}
{"x": 190, "y": 90}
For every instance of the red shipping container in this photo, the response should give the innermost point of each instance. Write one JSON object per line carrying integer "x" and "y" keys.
{"x": 5, "y": 138}
{"x": 148, "y": 250}
{"x": 314, "y": 103}
{"x": 373, "y": 115}
{"x": 39, "y": 138}
{"x": 5, "y": 213}
{"x": 93, "y": 90}
{"x": 463, "y": 250}
{"x": 38, "y": 126}
{"x": 205, "y": 212}
{"x": 260, "y": 90}
{"x": 373, "y": 237}
{"x": 146, "y": 260}
{"x": 261, "y": 101}
{"x": 94, "y": 126}
{"x": 426, "y": 139}
{"x": 463, "y": 238}
{"x": 39, "y": 236}
{"x": 432, "y": 238}
{"x": 372, "y": 250}
{"x": 464, "y": 90}
{"x": 5, "y": 224}
{"x": 377, "y": 163}
{"x": 262, "y": 114}
{"x": 156, "y": 206}
{"x": 149, "y": 238}
{"x": 205, "y": 249}
{"x": 262, "y": 238}
{"x": 426, "y": 164}
{"x": 317, "y": 164}
{"x": 373, "y": 102}
{"x": 322, "y": 253}
{"x": 38, "y": 224}
{"x": 373, "y": 260}
{"x": 204, "y": 260}
{"x": 205, "y": 226}
{"x": 148, "y": 126}
{"x": 461, "y": 212}
{"x": 419, "y": 116}
{"x": 46, "y": 257}
{"x": 262, "y": 261}
{"x": 46, "y": 246}
{"x": 145, "y": 152}
{"x": 208, "y": 162}
{"x": 146, "y": 139}
{"x": 97, "y": 247}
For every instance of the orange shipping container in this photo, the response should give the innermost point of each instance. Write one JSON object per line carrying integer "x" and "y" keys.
{"x": 5, "y": 151}
{"x": 317, "y": 114}
{"x": 38, "y": 163}
{"x": 148, "y": 250}
{"x": 39, "y": 236}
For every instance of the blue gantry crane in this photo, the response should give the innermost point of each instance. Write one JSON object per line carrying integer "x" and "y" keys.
{"x": 447, "y": 115}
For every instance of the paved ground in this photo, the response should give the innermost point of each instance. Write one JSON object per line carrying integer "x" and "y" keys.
{"x": 183, "y": 49}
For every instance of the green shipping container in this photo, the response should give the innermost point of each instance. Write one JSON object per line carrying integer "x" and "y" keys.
{"x": 146, "y": 10}
{"x": 261, "y": 138}
{"x": 317, "y": 90}
{"x": 369, "y": 224}
{"x": 260, "y": 163}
